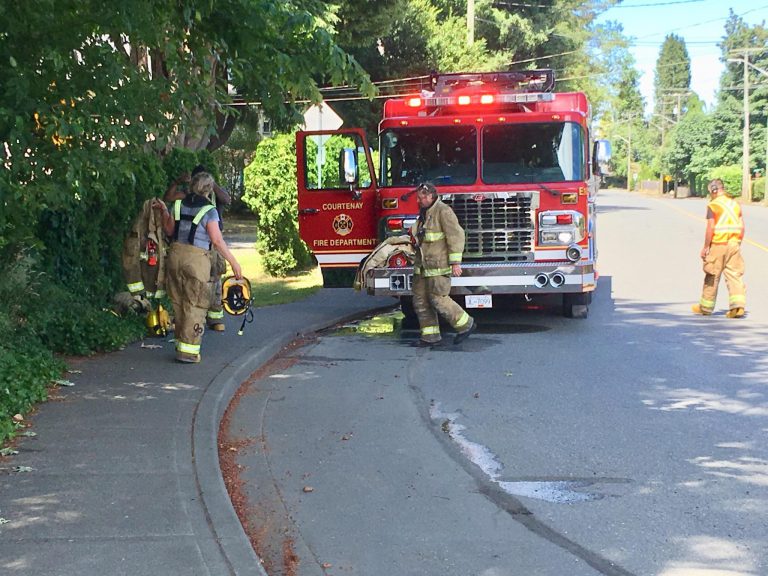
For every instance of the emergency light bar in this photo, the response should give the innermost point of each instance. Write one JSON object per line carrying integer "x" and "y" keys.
{"x": 503, "y": 82}
{"x": 482, "y": 99}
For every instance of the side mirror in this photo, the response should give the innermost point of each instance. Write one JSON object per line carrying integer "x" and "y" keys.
{"x": 348, "y": 170}
{"x": 348, "y": 165}
{"x": 601, "y": 156}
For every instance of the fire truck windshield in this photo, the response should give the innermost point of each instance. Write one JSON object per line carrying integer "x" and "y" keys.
{"x": 510, "y": 154}
{"x": 536, "y": 152}
{"x": 443, "y": 155}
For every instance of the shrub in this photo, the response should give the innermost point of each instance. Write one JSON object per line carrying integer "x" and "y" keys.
{"x": 270, "y": 192}
{"x": 26, "y": 371}
{"x": 731, "y": 177}
{"x": 758, "y": 189}
{"x": 68, "y": 324}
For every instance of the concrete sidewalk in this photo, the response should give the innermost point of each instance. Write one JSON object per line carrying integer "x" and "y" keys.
{"x": 122, "y": 477}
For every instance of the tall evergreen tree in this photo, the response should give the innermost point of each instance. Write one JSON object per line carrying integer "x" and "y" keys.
{"x": 672, "y": 82}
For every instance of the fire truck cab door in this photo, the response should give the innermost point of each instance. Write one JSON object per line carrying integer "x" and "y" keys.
{"x": 337, "y": 195}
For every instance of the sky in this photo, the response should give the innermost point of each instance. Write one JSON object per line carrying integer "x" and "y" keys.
{"x": 701, "y": 24}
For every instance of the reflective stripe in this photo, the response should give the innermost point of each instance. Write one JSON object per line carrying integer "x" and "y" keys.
{"x": 728, "y": 222}
{"x": 216, "y": 314}
{"x": 187, "y": 348}
{"x": 737, "y": 299}
{"x": 136, "y": 287}
{"x": 463, "y": 320}
{"x": 203, "y": 211}
{"x": 430, "y": 330}
{"x": 454, "y": 257}
{"x": 177, "y": 210}
{"x": 159, "y": 293}
{"x": 433, "y": 236}
{"x": 707, "y": 304}
{"x": 436, "y": 271}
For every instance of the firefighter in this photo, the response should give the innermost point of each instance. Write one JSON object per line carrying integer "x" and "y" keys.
{"x": 194, "y": 227}
{"x": 722, "y": 253}
{"x": 439, "y": 241}
{"x": 220, "y": 197}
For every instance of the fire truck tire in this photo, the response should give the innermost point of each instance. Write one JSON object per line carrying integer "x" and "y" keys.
{"x": 576, "y": 305}
{"x": 338, "y": 277}
{"x": 410, "y": 320}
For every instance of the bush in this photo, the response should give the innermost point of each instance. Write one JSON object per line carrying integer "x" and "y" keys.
{"x": 270, "y": 192}
{"x": 26, "y": 371}
{"x": 758, "y": 189}
{"x": 731, "y": 177}
{"x": 68, "y": 324}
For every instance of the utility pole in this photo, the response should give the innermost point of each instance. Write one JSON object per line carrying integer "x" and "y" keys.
{"x": 470, "y": 22}
{"x": 745, "y": 176}
{"x": 629, "y": 157}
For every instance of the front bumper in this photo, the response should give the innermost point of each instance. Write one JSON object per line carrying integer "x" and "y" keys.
{"x": 508, "y": 278}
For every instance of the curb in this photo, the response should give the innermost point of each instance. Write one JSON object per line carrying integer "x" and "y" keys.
{"x": 220, "y": 516}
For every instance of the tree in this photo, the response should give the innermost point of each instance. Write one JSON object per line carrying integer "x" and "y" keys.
{"x": 741, "y": 41}
{"x": 672, "y": 82}
{"x": 87, "y": 93}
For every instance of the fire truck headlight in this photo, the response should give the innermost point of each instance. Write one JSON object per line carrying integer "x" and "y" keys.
{"x": 565, "y": 237}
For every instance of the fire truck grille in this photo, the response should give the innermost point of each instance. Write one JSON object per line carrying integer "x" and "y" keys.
{"x": 498, "y": 229}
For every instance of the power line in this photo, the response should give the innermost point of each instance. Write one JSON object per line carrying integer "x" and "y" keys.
{"x": 654, "y": 5}
{"x": 702, "y": 23}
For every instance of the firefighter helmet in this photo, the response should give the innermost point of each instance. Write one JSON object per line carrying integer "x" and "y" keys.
{"x": 236, "y": 295}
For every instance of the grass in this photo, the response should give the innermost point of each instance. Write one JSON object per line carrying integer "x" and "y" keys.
{"x": 267, "y": 290}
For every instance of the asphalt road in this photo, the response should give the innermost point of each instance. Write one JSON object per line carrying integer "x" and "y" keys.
{"x": 629, "y": 443}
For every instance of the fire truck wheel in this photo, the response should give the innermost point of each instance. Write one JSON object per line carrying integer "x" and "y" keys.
{"x": 576, "y": 305}
{"x": 338, "y": 277}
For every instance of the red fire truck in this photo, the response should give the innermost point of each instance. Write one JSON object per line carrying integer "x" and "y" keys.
{"x": 515, "y": 161}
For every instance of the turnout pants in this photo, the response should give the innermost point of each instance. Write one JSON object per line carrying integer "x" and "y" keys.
{"x": 724, "y": 260}
{"x": 189, "y": 287}
{"x": 430, "y": 299}
{"x": 218, "y": 267}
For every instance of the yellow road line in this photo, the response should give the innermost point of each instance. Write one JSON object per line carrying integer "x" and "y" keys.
{"x": 700, "y": 219}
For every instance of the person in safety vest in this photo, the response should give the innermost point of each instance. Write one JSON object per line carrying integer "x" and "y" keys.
{"x": 194, "y": 228}
{"x": 722, "y": 253}
{"x": 439, "y": 241}
{"x": 220, "y": 197}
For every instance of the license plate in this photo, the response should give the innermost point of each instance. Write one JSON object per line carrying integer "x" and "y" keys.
{"x": 478, "y": 301}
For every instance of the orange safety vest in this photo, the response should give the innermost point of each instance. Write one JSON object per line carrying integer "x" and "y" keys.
{"x": 729, "y": 225}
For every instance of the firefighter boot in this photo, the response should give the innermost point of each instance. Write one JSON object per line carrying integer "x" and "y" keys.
{"x": 464, "y": 334}
{"x": 425, "y": 343}
{"x": 187, "y": 358}
{"x": 735, "y": 313}
{"x": 216, "y": 326}
{"x": 696, "y": 309}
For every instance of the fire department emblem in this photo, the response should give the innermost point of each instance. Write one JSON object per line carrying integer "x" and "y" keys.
{"x": 478, "y": 197}
{"x": 342, "y": 224}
